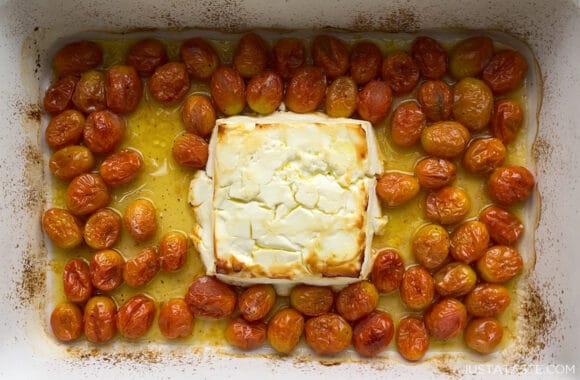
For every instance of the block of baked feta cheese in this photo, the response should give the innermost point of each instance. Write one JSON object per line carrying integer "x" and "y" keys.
{"x": 288, "y": 199}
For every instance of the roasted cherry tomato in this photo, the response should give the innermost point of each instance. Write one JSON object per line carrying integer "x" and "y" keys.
{"x": 103, "y": 229}
{"x": 436, "y": 100}
{"x": 100, "y": 318}
{"x": 328, "y": 334}
{"x": 265, "y": 92}
{"x": 487, "y": 300}
{"x": 71, "y": 161}
{"x": 504, "y": 227}
{"x": 58, "y": 96}
{"x": 407, "y": 123}
{"x": 374, "y": 101}
{"x": 499, "y": 264}
{"x": 121, "y": 167}
{"x": 86, "y": 194}
{"x": 484, "y": 155}
{"x": 445, "y": 139}
{"x": 106, "y": 268}
{"x": 510, "y": 184}
{"x": 400, "y": 72}
{"x": 330, "y": 54}
{"x": 434, "y": 173}
{"x": 412, "y": 338}
{"x": 76, "y": 58}
{"x": 135, "y": 316}
{"x": 431, "y": 245}
{"x": 123, "y": 89}
{"x": 430, "y": 57}
{"x": 395, "y": 189}
{"x": 417, "y": 288}
{"x": 103, "y": 131}
{"x": 365, "y": 62}
{"x": 172, "y": 251}
{"x": 483, "y": 334}
{"x": 256, "y": 301}
{"x": 446, "y": 319}
{"x": 147, "y": 55}
{"x": 141, "y": 219}
{"x": 387, "y": 271}
{"x": 505, "y": 71}
{"x": 175, "y": 319}
{"x": 66, "y": 321}
{"x": 89, "y": 95}
{"x": 305, "y": 90}
{"x": 198, "y": 115}
{"x": 357, "y": 300}
{"x": 288, "y": 54}
{"x": 228, "y": 90}
{"x": 472, "y": 103}
{"x": 468, "y": 241}
{"x": 284, "y": 330}
{"x": 169, "y": 83}
{"x": 311, "y": 300}
{"x": 246, "y": 335}
{"x": 469, "y": 56}
{"x": 190, "y": 150}
{"x": 76, "y": 280}
{"x": 251, "y": 55}
{"x": 141, "y": 269}
{"x": 447, "y": 206}
{"x": 208, "y": 297}
{"x": 454, "y": 280}
{"x": 372, "y": 334}
{"x": 506, "y": 120}
{"x": 62, "y": 228}
{"x": 341, "y": 97}
{"x": 199, "y": 57}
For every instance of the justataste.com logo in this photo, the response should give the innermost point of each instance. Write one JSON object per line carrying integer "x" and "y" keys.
{"x": 531, "y": 369}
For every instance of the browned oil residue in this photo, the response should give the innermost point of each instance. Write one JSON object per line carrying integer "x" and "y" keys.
{"x": 33, "y": 281}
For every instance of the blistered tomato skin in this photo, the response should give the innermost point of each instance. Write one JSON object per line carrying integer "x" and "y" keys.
{"x": 506, "y": 120}
{"x": 100, "y": 318}
{"x": 387, "y": 272}
{"x": 208, "y": 297}
{"x": 246, "y": 335}
{"x": 140, "y": 270}
{"x": 172, "y": 251}
{"x": 417, "y": 288}
{"x": 395, "y": 189}
{"x": 103, "y": 229}
{"x": 436, "y": 100}
{"x": 407, "y": 123}
{"x": 265, "y": 92}
{"x": 469, "y": 241}
{"x": 505, "y": 71}
{"x": 311, "y": 300}
{"x": 103, "y": 131}
{"x": 169, "y": 83}
{"x": 434, "y": 173}
{"x": 89, "y": 95}
{"x": 66, "y": 322}
{"x": 446, "y": 319}
{"x": 504, "y": 227}
{"x": 454, "y": 280}
{"x": 341, "y": 97}
{"x": 330, "y": 54}
{"x": 328, "y": 334}
{"x": 374, "y": 101}
{"x": 71, "y": 161}
{"x": 65, "y": 129}
{"x": 147, "y": 55}
{"x": 141, "y": 219}
{"x": 484, "y": 155}
{"x": 256, "y": 301}
{"x": 288, "y": 54}
{"x": 62, "y": 228}
{"x": 123, "y": 89}
{"x": 135, "y": 316}
{"x": 510, "y": 184}
{"x": 472, "y": 103}
{"x": 430, "y": 57}
{"x": 400, "y": 72}
{"x": 469, "y": 57}
{"x": 483, "y": 335}
{"x": 251, "y": 55}
{"x": 76, "y": 58}
{"x": 487, "y": 300}
{"x": 431, "y": 246}
{"x": 175, "y": 320}
{"x": 77, "y": 281}
{"x": 412, "y": 338}
{"x": 445, "y": 139}
{"x": 365, "y": 62}
{"x": 447, "y": 206}
{"x": 372, "y": 334}
{"x": 121, "y": 167}
{"x": 357, "y": 300}
{"x": 228, "y": 90}
{"x": 305, "y": 90}
{"x": 499, "y": 264}
{"x": 106, "y": 269}
{"x": 199, "y": 57}
{"x": 86, "y": 194}
{"x": 190, "y": 151}
{"x": 58, "y": 96}
{"x": 285, "y": 329}
{"x": 198, "y": 115}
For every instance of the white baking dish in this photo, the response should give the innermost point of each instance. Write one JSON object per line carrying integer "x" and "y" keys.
{"x": 28, "y": 32}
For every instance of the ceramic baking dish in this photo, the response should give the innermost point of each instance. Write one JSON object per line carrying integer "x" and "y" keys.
{"x": 548, "y": 346}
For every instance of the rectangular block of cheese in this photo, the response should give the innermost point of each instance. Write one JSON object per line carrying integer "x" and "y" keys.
{"x": 288, "y": 198}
